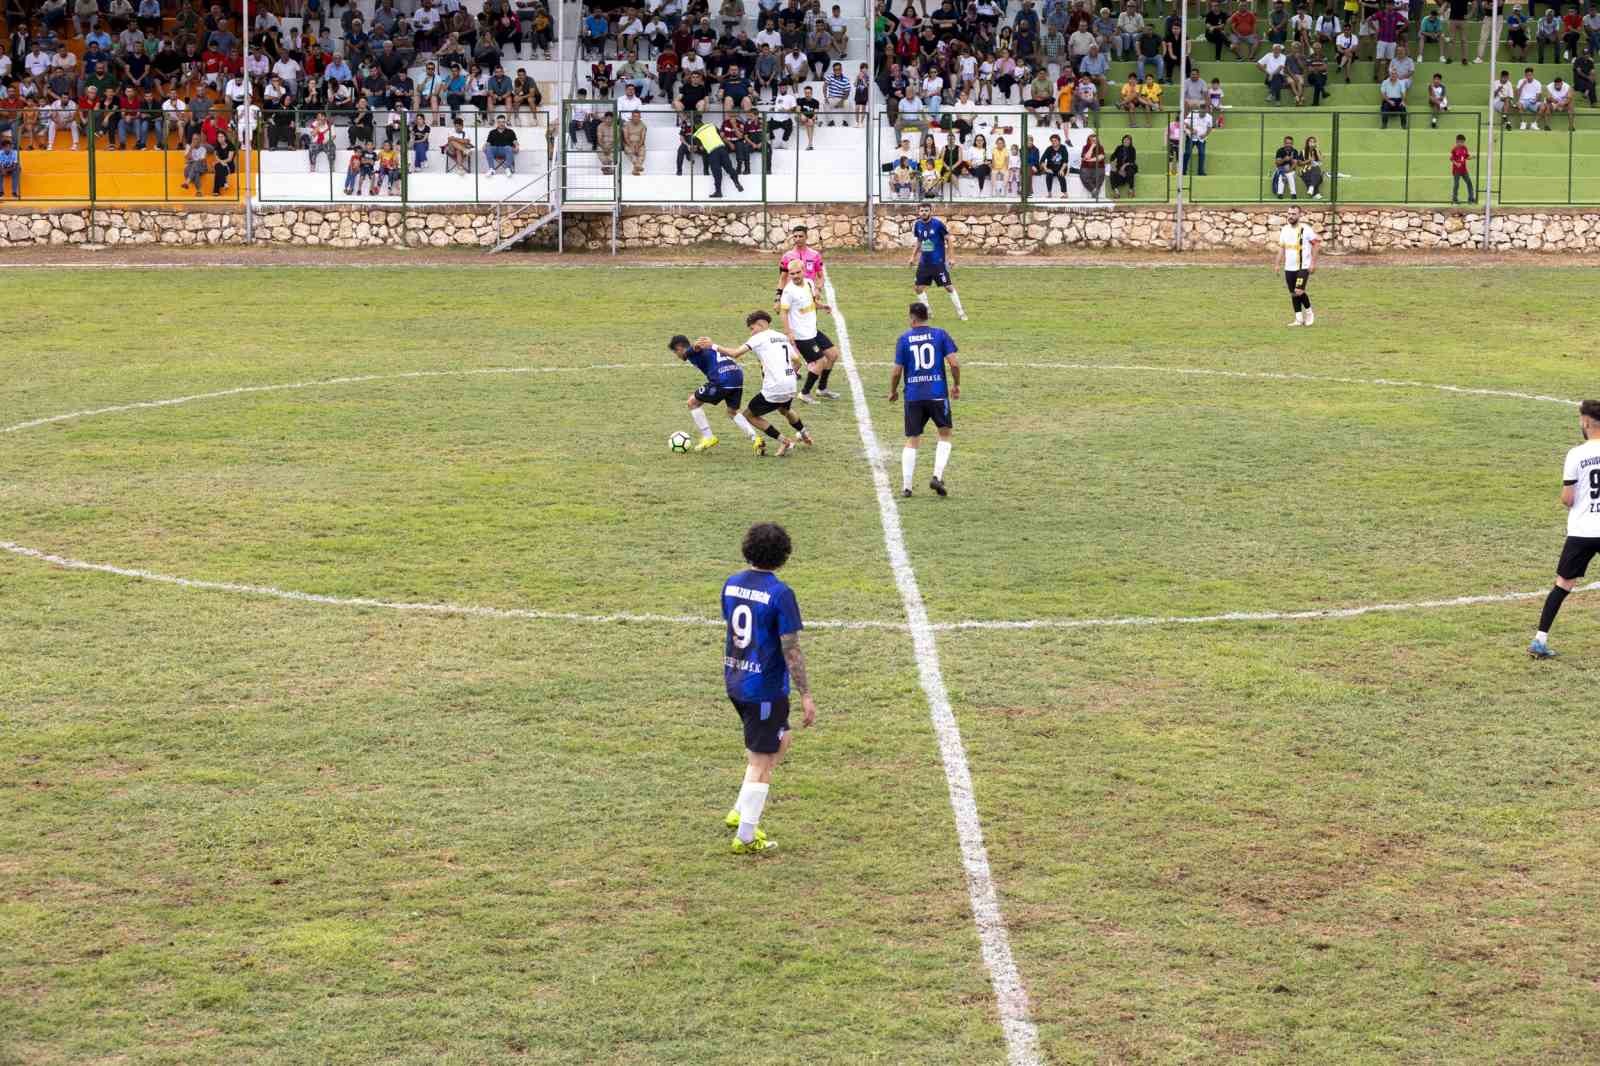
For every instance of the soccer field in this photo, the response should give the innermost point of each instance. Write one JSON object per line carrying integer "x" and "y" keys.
{"x": 425, "y": 760}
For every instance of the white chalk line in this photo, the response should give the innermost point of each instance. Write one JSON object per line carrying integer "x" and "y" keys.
{"x": 1022, "y": 1038}
{"x": 359, "y": 379}
{"x": 844, "y": 624}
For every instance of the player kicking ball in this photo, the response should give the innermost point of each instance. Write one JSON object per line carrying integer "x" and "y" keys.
{"x": 1297, "y": 258}
{"x": 930, "y": 258}
{"x": 779, "y": 362}
{"x": 799, "y": 303}
{"x": 922, "y": 354}
{"x": 1580, "y": 495}
{"x": 724, "y": 385}
{"x": 761, "y": 657}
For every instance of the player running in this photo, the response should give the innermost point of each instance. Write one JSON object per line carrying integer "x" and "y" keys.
{"x": 799, "y": 304}
{"x": 921, "y": 354}
{"x": 933, "y": 265}
{"x": 761, "y": 656}
{"x": 1297, "y": 258}
{"x": 1580, "y": 495}
{"x": 779, "y": 361}
{"x": 724, "y": 385}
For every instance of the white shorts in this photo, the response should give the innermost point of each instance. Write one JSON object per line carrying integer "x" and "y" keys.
{"x": 1384, "y": 50}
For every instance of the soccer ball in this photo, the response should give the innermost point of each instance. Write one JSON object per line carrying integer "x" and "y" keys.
{"x": 679, "y": 442}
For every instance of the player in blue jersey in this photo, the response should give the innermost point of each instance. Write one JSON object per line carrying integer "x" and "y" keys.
{"x": 724, "y": 385}
{"x": 761, "y": 657}
{"x": 921, "y": 355}
{"x": 931, "y": 259}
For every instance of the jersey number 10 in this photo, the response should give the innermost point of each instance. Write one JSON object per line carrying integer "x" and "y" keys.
{"x": 923, "y": 358}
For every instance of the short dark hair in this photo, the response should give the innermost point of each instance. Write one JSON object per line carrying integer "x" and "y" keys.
{"x": 919, "y": 312}
{"x": 1590, "y": 409}
{"x": 766, "y": 546}
{"x": 757, "y": 316}
{"x": 799, "y": 229}
{"x": 677, "y": 339}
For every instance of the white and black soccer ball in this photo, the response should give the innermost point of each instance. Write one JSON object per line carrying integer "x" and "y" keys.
{"x": 678, "y": 442}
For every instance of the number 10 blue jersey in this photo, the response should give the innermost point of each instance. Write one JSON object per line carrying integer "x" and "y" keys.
{"x": 921, "y": 353}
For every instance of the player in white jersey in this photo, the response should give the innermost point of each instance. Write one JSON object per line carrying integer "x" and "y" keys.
{"x": 1297, "y": 258}
{"x": 799, "y": 303}
{"x": 1580, "y": 495}
{"x": 779, "y": 361}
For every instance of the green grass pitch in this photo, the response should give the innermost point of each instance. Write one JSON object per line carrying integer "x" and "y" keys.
{"x": 246, "y": 829}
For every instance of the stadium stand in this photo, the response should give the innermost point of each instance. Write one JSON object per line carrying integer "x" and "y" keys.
{"x": 382, "y": 47}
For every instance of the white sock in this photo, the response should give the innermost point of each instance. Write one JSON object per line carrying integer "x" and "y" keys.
{"x": 752, "y": 798}
{"x": 744, "y": 425}
{"x": 955, "y": 298}
{"x": 1311, "y": 316}
{"x": 920, "y": 298}
{"x": 1299, "y": 317}
{"x": 908, "y": 466}
{"x": 700, "y": 421}
{"x": 941, "y": 456}
{"x": 1541, "y": 637}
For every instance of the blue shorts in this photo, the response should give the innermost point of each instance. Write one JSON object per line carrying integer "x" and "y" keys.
{"x": 920, "y": 412}
{"x": 765, "y": 723}
{"x": 711, "y": 395}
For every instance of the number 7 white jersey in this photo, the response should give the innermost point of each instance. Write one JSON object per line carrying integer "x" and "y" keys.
{"x": 777, "y": 367}
{"x": 1582, "y": 471}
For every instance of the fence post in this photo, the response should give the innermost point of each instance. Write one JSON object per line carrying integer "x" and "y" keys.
{"x": 1571, "y": 134}
{"x": 1405, "y": 186}
{"x": 1333, "y": 181}
{"x": 94, "y": 122}
{"x": 405, "y": 187}
{"x": 1261, "y": 157}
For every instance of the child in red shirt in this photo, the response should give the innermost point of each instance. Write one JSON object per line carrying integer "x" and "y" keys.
{"x": 1458, "y": 172}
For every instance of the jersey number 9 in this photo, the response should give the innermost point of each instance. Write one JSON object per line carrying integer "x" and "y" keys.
{"x": 742, "y": 622}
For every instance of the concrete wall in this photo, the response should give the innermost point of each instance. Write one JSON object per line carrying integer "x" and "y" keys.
{"x": 996, "y": 230}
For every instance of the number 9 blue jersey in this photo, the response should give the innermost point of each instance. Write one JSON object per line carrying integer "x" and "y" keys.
{"x": 921, "y": 353}
{"x": 760, "y": 610}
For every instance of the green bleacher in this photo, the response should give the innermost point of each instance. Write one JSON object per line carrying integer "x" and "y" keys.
{"x": 1373, "y": 165}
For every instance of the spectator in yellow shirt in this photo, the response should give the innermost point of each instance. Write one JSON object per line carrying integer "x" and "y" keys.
{"x": 1132, "y": 98}
{"x": 1151, "y": 91}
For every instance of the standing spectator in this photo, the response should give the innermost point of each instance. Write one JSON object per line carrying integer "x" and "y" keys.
{"x": 224, "y": 160}
{"x": 320, "y": 141}
{"x": 1457, "y": 27}
{"x": 420, "y": 133}
{"x": 500, "y": 147}
{"x": 716, "y": 153}
{"x": 863, "y": 94}
{"x": 1199, "y": 128}
{"x": 837, "y": 91}
{"x": 633, "y": 141}
{"x": 1389, "y": 23}
{"x": 1459, "y": 174}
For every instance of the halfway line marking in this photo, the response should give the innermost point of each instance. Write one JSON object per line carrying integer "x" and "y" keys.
{"x": 1022, "y": 1038}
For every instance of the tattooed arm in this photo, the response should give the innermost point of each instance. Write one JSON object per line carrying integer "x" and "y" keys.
{"x": 796, "y": 661}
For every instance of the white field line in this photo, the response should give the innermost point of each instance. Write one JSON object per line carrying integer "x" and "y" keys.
{"x": 245, "y": 390}
{"x": 1022, "y": 1039}
{"x": 1265, "y": 375}
{"x": 534, "y": 614}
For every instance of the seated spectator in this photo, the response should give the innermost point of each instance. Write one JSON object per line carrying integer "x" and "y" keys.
{"x": 1242, "y": 36}
{"x": 1294, "y": 73}
{"x": 782, "y": 115}
{"x": 1041, "y": 98}
{"x": 1547, "y": 33}
{"x": 582, "y": 119}
{"x": 1053, "y": 165}
{"x": 1285, "y": 164}
{"x": 1530, "y": 99}
{"x": 596, "y": 30}
{"x": 1150, "y": 52}
{"x": 1311, "y": 168}
{"x": 1431, "y": 30}
{"x": 1095, "y": 66}
{"x": 458, "y": 149}
{"x": 10, "y": 165}
{"x": 500, "y": 147}
{"x": 1392, "y": 101}
{"x": 1130, "y": 99}
{"x": 1277, "y": 24}
{"x": 1092, "y": 166}
{"x": 1403, "y": 67}
{"x": 194, "y": 163}
{"x": 808, "y": 105}
{"x": 1558, "y": 100}
{"x": 1438, "y": 101}
{"x": 1124, "y": 167}
{"x": 1583, "y": 79}
{"x": 1085, "y": 99}
{"x": 1272, "y": 65}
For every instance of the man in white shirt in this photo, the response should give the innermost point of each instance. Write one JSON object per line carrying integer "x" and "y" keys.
{"x": 1530, "y": 98}
{"x": 795, "y": 65}
{"x": 258, "y": 64}
{"x": 60, "y": 113}
{"x": 1580, "y": 495}
{"x": 37, "y": 62}
{"x": 629, "y": 101}
{"x": 1558, "y": 97}
{"x": 770, "y": 37}
{"x": 799, "y": 303}
{"x": 289, "y": 70}
{"x": 1347, "y": 45}
{"x": 1199, "y": 125}
{"x": 691, "y": 63}
{"x": 1503, "y": 98}
{"x": 1272, "y": 65}
{"x": 779, "y": 362}
{"x": 235, "y": 91}
{"x": 1297, "y": 258}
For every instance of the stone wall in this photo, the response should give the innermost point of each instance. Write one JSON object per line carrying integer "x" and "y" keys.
{"x": 995, "y": 230}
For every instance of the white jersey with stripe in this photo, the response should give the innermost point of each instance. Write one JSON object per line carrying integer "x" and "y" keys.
{"x": 800, "y": 303}
{"x": 1582, "y": 472}
{"x": 777, "y": 368}
{"x": 1296, "y": 240}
